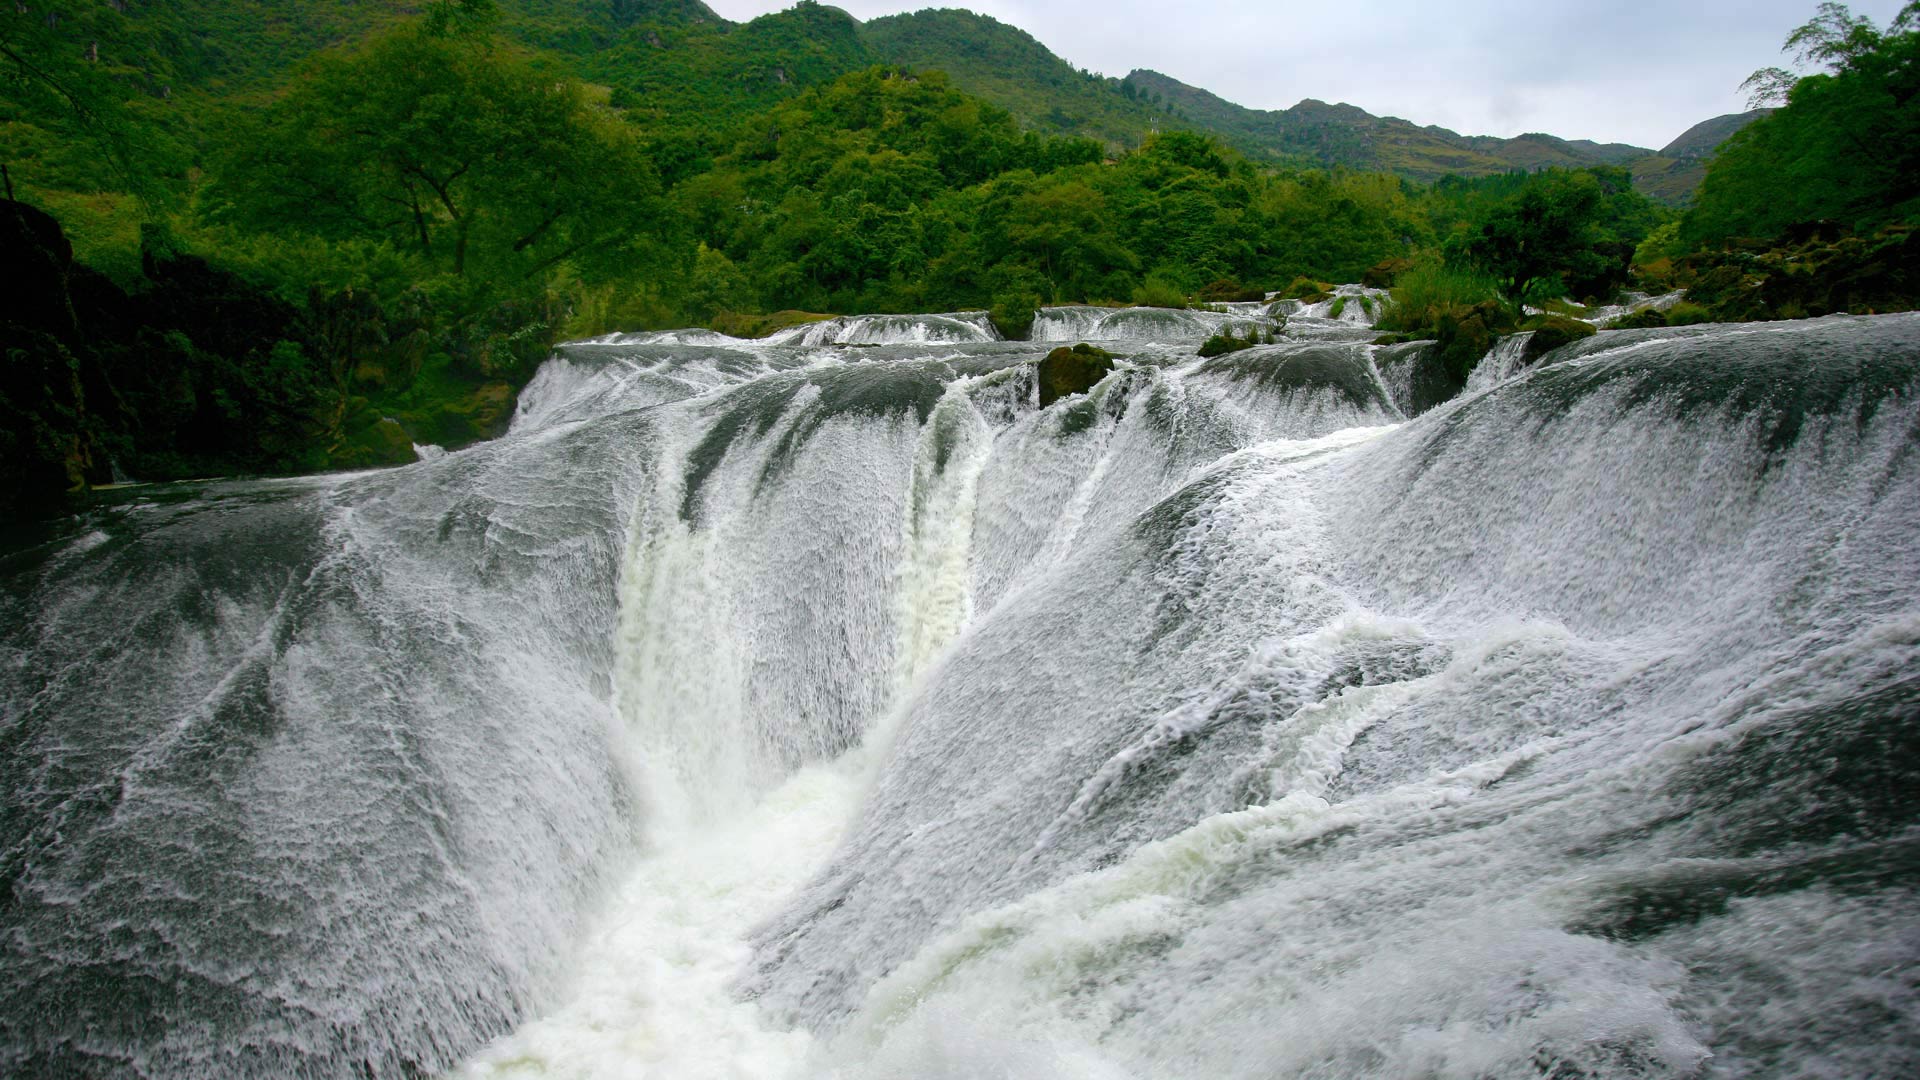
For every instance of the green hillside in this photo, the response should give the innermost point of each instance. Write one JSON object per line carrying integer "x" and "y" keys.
{"x": 1007, "y": 66}
{"x": 1674, "y": 174}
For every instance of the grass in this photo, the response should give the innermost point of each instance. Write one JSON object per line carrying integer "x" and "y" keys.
{"x": 1430, "y": 290}
{"x": 1158, "y": 292}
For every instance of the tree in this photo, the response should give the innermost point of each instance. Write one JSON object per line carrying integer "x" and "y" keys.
{"x": 439, "y": 139}
{"x": 1844, "y": 146}
{"x": 1564, "y": 230}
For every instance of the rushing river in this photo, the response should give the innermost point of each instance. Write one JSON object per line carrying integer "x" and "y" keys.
{"x": 823, "y": 707}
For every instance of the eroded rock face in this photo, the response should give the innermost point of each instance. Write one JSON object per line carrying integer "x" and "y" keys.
{"x": 48, "y": 443}
{"x": 1071, "y": 370}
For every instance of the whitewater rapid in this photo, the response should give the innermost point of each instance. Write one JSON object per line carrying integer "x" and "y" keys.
{"x": 823, "y": 707}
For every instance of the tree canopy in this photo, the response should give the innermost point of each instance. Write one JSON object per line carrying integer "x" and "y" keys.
{"x": 1845, "y": 145}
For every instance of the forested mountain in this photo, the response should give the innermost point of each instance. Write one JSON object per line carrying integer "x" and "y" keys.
{"x": 1009, "y": 67}
{"x": 678, "y": 62}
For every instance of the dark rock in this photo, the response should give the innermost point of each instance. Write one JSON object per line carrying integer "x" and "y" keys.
{"x": 50, "y": 439}
{"x": 1824, "y": 231}
{"x": 1072, "y": 370}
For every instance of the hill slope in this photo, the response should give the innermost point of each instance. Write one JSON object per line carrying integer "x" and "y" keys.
{"x": 1009, "y": 67}
{"x": 1674, "y": 174}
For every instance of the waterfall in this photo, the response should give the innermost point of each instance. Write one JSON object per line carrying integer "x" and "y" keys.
{"x": 822, "y": 706}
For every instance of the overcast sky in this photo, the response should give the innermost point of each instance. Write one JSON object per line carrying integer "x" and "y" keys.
{"x": 1627, "y": 71}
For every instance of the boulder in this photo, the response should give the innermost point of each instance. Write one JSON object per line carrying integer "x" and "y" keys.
{"x": 1071, "y": 370}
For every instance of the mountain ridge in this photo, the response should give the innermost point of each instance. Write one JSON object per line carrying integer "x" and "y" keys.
{"x": 1011, "y": 68}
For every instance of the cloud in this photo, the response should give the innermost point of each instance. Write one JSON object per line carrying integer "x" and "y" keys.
{"x": 1633, "y": 71}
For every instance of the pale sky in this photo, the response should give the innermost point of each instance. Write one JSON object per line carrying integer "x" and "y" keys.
{"x": 1629, "y": 71}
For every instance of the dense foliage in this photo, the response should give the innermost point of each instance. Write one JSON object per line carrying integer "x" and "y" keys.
{"x": 1845, "y": 146}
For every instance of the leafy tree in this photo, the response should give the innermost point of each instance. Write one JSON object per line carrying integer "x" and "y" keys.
{"x": 1564, "y": 231}
{"x": 1845, "y": 146}
{"x": 442, "y": 141}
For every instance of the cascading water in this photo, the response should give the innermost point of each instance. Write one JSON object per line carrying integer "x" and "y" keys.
{"x": 790, "y": 708}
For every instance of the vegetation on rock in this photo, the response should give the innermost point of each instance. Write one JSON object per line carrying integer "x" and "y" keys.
{"x": 1071, "y": 370}
{"x": 1226, "y": 342}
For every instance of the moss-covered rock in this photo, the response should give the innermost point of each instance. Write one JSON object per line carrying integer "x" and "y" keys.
{"x": 1550, "y": 332}
{"x": 1224, "y": 343}
{"x": 1810, "y": 271}
{"x": 1013, "y": 315}
{"x": 1644, "y": 319}
{"x": 383, "y": 442}
{"x": 1383, "y": 274}
{"x": 1461, "y": 340}
{"x": 482, "y": 414}
{"x": 1071, "y": 370}
{"x": 1228, "y": 291}
{"x": 1306, "y": 290}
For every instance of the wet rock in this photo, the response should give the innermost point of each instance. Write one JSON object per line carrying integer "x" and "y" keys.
{"x": 1071, "y": 370}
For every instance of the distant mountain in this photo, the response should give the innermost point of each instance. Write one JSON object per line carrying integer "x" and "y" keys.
{"x": 1674, "y": 174}
{"x": 1009, "y": 67}
{"x": 1349, "y": 136}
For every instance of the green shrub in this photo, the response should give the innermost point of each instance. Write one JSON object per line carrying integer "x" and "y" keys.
{"x": 1306, "y": 290}
{"x": 1339, "y": 305}
{"x": 1159, "y": 292}
{"x": 1431, "y": 290}
{"x": 1686, "y": 313}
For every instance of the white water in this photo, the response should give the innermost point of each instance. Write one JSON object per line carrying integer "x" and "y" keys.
{"x": 650, "y": 990}
{"x": 1176, "y": 325}
{"x": 789, "y": 710}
